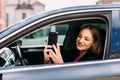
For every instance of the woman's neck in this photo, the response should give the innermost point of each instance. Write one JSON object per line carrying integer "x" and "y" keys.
{"x": 82, "y": 53}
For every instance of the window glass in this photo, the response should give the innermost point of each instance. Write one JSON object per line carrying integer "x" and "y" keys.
{"x": 62, "y": 29}
{"x": 115, "y": 43}
{"x": 39, "y": 37}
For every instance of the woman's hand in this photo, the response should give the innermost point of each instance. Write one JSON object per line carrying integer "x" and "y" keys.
{"x": 46, "y": 54}
{"x": 54, "y": 55}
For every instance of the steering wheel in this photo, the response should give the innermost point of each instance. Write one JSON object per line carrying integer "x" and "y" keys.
{"x": 18, "y": 45}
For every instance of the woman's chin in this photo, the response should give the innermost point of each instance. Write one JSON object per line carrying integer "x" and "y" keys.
{"x": 79, "y": 48}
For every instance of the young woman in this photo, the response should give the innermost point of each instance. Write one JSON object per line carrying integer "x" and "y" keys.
{"x": 88, "y": 45}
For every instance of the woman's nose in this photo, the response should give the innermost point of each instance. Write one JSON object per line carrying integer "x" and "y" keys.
{"x": 81, "y": 40}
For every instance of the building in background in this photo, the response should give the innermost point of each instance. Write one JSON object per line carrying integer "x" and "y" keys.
{"x": 17, "y": 10}
{"x": 108, "y": 2}
{"x": 2, "y": 14}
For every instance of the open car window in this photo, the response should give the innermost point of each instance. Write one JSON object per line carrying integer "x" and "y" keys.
{"x": 28, "y": 50}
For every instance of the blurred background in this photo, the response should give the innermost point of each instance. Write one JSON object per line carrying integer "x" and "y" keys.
{"x": 12, "y": 11}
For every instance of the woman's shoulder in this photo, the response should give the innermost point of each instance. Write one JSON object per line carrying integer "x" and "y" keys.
{"x": 90, "y": 56}
{"x": 70, "y": 55}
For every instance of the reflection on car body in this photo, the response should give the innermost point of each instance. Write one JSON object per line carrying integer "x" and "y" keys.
{"x": 21, "y": 45}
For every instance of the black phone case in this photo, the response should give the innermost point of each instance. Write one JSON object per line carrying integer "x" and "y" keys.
{"x": 52, "y": 38}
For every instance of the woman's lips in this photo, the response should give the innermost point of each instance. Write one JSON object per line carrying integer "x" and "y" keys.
{"x": 80, "y": 45}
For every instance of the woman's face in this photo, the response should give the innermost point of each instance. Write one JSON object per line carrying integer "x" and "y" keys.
{"x": 84, "y": 40}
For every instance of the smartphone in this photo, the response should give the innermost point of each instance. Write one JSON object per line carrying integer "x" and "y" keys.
{"x": 52, "y": 38}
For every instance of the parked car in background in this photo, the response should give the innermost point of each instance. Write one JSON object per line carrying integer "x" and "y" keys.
{"x": 22, "y": 44}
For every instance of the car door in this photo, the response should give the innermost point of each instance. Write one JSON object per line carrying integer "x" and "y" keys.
{"x": 28, "y": 48}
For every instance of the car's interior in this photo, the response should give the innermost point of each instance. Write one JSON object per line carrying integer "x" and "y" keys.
{"x": 33, "y": 54}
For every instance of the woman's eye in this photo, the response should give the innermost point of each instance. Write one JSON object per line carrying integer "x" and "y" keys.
{"x": 87, "y": 39}
{"x": 79, "y": 36}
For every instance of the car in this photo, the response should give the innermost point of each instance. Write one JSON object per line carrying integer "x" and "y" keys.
{"x": 22, "y": 44}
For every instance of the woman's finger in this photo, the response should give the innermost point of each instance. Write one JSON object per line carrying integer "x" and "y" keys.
{"x": 57, "y": 49}
{"x": 56, "y": 58}
{"x": 48, "y": 46}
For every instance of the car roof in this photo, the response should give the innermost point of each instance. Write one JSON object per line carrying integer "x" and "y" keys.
{"x": 26, "y": 21}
